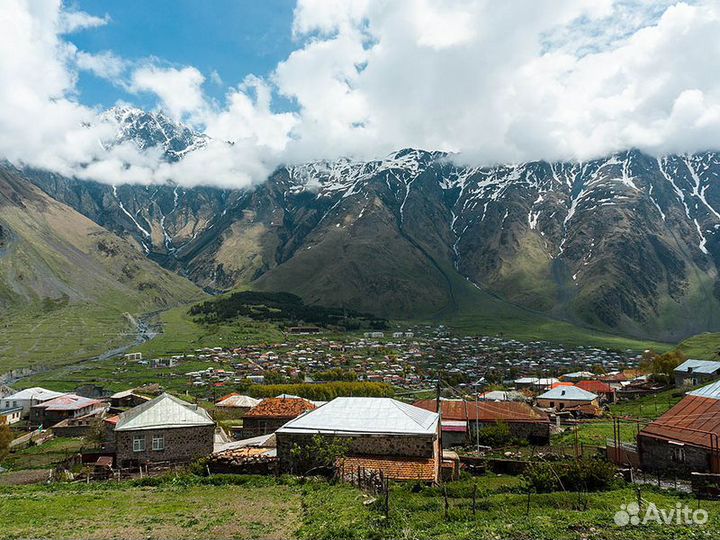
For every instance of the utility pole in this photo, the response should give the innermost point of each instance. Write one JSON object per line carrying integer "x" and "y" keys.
{"x": 477, "y": 431}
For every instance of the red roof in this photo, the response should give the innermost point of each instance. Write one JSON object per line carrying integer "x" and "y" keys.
{"x": 561, "y": 384}
{"x": 596, "y": 387}
{"x": 485, "y": 411}
{"x": 395, "y": 468}
{"x": 691, "y": 421}
{"x": 68, "y": 402}
{"x": 280, "y": 408}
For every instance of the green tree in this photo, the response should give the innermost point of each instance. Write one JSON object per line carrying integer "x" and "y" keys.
{"x": 664, "y": 364}
{"x": 320, "y": 455}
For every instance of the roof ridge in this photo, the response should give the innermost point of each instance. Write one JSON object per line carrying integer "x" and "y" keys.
{"x": 397, "y": 403}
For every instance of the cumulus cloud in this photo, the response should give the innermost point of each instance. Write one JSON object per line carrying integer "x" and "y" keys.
{"x": 494, "y": 81}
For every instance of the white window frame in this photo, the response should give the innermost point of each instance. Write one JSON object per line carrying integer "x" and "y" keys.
{"x": 138, "y": 443}
{"x": 158, "y": 443}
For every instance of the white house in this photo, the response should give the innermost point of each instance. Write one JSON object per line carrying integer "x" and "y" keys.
{"x": 28, "y": 398}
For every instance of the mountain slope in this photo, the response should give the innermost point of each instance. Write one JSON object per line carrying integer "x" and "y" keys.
{"x": 627, "y": 243}
{"x": 66, "y": 284}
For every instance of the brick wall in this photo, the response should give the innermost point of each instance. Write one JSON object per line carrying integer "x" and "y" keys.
{"x": 657, "y": 455}
{"x": 181, "y": 445}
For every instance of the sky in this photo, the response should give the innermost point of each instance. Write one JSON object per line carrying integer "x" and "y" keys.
{"x": 297, "y": 80}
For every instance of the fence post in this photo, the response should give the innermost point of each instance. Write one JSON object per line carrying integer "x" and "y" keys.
{"x": 474, "y": 499}
{"x": 639, "y": 498}
{"x": 447, "y": 505}
{"x": 387, "y": 498}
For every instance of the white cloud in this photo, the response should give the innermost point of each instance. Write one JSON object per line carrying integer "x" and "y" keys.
{"x": 180, "y": 90}
{"x": 510, "y": 81}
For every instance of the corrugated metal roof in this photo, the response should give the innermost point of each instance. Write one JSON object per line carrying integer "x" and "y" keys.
{"x": 711, "y": 391}
{"x": 353, "y": 415}
{"x": 67, "y": 402}
{"x": 163, "y": 412}
{"x": 698, "y": 366}
{"x": 596, "y": 387}
{"x": 568, "y": 393}
{"x": 691, "y": 421}
{"x": 484, "y": 411}
{"x": 36, "y": 393}
{"x": 237, "y": 400}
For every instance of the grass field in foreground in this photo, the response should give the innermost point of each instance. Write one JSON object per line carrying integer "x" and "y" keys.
{"x": 254, "y": 507}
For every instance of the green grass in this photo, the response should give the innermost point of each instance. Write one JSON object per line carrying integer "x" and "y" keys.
{"x": 181, "y": 333}
{"x": 703, "y": 346}
{"x": 649, "y": 406}
{"x": 43, "y": 456}
{"x": 595, "y": 433}
{"x": 265, "y": 507}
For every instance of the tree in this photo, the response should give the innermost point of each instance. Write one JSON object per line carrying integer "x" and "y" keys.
{"x": 6, "y": 438}
{"x": 319, "y": 455}
{"x": 664, "y": 364}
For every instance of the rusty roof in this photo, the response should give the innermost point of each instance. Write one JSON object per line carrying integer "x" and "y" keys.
{"x": 280, "y": 408}
{"x": 67, "y": 402}
{"x": 486, "y": 411}
{"x": 596, "y": 387}
{"x": 393, "y": 467}
{"x": 692, "y": 421}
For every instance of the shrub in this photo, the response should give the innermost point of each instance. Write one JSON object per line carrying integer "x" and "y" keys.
{"x": 580, "y": 475}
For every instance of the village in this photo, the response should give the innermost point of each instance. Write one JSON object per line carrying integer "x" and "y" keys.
{"x": 370, "y": 411}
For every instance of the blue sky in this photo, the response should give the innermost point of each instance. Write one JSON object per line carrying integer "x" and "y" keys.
{"x": 233, "y": 39}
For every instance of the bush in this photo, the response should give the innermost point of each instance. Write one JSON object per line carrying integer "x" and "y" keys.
{"x": 580, "y": 475}
{"x": 323, "y": 391}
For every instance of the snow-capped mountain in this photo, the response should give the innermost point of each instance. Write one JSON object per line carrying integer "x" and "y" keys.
{"x": 628, "y": 242}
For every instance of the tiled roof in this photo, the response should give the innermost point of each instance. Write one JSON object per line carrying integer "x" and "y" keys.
{"x": 485, "y": 411}
{"x": 691, "y": 421}
{"x": 395, "y": 468}
{"x": 280, "y": 408}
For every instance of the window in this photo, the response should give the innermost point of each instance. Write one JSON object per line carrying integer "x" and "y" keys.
{"x": 678, "y": 453}
{"x": 158, "y": 442}
{"x": 139, "y": 443}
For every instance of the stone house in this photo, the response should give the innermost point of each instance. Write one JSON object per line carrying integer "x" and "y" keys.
{"x": 236, "y": 405}
{"x": 272, "y": 413}
{"x": 695, "y": 372}
{"x": 53, "y": 411}
{"x": 523, "y": 421}
{"x": 380, "y": 434}
{"x": 686, "y": 438}
{"x": 165, "y": 429}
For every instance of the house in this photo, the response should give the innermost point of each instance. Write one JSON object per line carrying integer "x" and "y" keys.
{"x": 535, "y": 383}
{"x": 126, "y": 399}
{"x": 523, "y": 421}
{"x": 685, "y": 439}
{"x": 695, "y": 372}
{"x": 381, "y": 434}
{"x": 25, "y": 399}
{"x": 567, "y": 398}
{"x": 502, "y": 395}
{"x": 272, "y": 413}
{"x": 236, "y": 404}
{"x": 50, "y": 412}
{"x": 165, "y": 429}
{"x": 577, "y": 376}
{"x": 10, "y": 416}
{"x": 605, "y": 392}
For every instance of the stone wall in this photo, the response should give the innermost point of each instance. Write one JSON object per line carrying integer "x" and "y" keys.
{"x": 534, "y": 432}
{"x": 182, "y": 445}
{"x": 658, "y": 455}
{"x": 255, "y": 427}
{"x": 416, "y": 446}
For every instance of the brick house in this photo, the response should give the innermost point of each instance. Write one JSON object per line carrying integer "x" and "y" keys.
{"x": 165, "y": 429}
{"x": 272, "y": 413}
{"x": 461, "y": 418}
{"x": 686, "y": 438}
{"x": 381, "y": 434}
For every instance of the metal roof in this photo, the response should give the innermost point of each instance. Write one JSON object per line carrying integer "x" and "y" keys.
{"x": 711, "y": 391}
{"x": 36, "y": 393}
{"x": 163, "y": 412}
{"x": 568, "y": 393}
{"x": 67, "y": 402}
{"x": 692, "y": 421}
{"x": 485, "y": 411}
{"x": 237, "y": 400}
{"x": 698, "y": 366}
{"x": 354, "y": 415}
